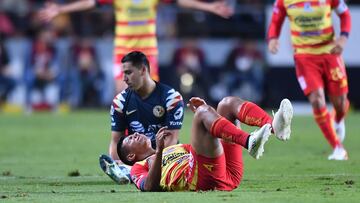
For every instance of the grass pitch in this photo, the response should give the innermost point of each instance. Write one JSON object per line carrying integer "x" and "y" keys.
{"x": 54, "y": 158}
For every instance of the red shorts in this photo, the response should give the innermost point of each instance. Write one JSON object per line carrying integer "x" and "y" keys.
{"x": 321, "y": 71}
{"x": 154, "y": 67}
{"x": 221, "y": 173}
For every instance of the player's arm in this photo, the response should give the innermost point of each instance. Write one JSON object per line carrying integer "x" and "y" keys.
{"x": 172, "y": 138}
{"x": 219, "y": 8}
{"x": 118, "y": 124}
{"x": 277, "y": 19}
{"x": 152, "y": 181}
{"x": 115, "y": 137}
{"x": 345, "y": 25}
{"x": 51, "y": 10}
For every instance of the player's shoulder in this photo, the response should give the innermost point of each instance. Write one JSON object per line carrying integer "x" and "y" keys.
{"x": 120, "y": 100}
{"x": 172, "y": 97}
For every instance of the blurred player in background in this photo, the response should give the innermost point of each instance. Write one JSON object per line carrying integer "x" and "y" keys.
{"x": 135, "y": 27}
{"x": 144, "y": 107}
{"x": 318, "y": 61}
{"x": 208, "y": 163}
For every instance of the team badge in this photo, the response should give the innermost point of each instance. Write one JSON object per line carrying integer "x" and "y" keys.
{"x": 158, "y": 111}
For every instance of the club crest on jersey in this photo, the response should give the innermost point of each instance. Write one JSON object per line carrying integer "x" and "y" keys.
{"x": 158, "y": 111}
{"x": 307, "y": 7}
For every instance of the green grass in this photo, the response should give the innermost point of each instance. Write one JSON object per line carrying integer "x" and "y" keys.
{"x": 38, "y": 152}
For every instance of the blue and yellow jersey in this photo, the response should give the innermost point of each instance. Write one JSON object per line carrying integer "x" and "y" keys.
{"x": 163, "y": 107}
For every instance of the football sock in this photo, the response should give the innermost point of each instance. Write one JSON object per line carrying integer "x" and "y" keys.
{"x": 341, "y": 115}
{"x": 224, "y": 129}
{"x": 323, "y": 119}
{"x": 251, "y": 114}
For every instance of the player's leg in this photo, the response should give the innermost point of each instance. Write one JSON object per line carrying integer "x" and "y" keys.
{"x": 207, "y": 120}
{"x": 337, "y": 89}
{"x": 310, "y": 71}
{"x": 341, "y": 107}
{"x": 251, "y": 114}
{"x": 208, "y": 150}
{"x": 228, "y": 108}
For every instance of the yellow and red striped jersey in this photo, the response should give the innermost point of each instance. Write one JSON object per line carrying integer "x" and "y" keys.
{"x": 135, "y": 27}
{"x": 311, "y": 24}
{"x": 177, "y": 174}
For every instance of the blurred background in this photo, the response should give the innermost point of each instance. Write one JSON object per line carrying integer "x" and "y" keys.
{"x": 67, "y": 64}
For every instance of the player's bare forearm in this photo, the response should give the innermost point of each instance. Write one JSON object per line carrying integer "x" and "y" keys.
{"x": 115, "y": 137}
{"x": 77, "y": 6}
{"x": 152, "y": 182}
{"x": 51, "y": 10}
{"x": 172, "y": 138}
{"x": 219, "y": 8}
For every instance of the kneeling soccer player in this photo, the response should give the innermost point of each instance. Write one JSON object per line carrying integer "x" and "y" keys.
{"x": 208, "y": 163}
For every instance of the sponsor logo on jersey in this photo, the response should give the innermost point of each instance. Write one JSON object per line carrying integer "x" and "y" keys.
{"x": 179, "y": 113}
{"x": 158, "y": 111}
{"x": 136, "y": 126}
{"x": 130, "y": 112}
{"x": 176, "y": 123}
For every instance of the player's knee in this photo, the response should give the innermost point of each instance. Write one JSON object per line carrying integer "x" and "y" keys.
{"x": 203, "y": 111}
{"x": 317, "y": 100}
{"x": 228, "y": 103}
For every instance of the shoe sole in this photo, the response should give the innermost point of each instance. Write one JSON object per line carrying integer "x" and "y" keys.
{"x": 104, "y": 161}
{"x": 287, "y": 109}
{"x": 266, "y": 134}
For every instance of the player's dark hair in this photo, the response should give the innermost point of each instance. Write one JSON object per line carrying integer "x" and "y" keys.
{"x": 136, "y": 58}
{"x": 123, "y": 152}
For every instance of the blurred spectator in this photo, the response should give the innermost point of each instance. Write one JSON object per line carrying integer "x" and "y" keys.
{"x": 189, "y": 61}
{"x": 7, "y": 83}
{"x": 243, "y": 74}
{"x": 43, "y": 89}
{"x": 88, "y": 75}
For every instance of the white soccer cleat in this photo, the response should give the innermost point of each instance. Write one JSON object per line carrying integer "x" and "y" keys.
{"x": 118, "y": 173}
{"x": 340, "y": 130}
{"x": 257, "y": 141}
{"x": 282, "y": 120}
{"x": 339, "y": 154}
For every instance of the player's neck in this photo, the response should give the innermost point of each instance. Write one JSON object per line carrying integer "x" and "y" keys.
{"x": 147, "y": 89}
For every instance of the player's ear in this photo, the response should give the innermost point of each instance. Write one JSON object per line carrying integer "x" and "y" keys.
{"x": 143, "y": 69}
{"x": 130, "y": 157}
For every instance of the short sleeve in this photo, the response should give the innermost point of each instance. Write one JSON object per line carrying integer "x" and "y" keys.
{"x": 174, "y": 110}
{"x": 138, "y": 175}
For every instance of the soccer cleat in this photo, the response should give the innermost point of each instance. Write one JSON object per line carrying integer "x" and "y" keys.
{"x": 257, "y": 141}
{"x": 340, "y": 130}
{"x": 282, "y": 120}
{"x": 339, "y": 154}
{"x": 118, "y": 173}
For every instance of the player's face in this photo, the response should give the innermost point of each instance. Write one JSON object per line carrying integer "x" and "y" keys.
{"x": 133, "y": 76}
{"x": 137, "y": 143}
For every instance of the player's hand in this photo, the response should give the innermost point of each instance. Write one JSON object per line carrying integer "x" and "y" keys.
{"x": 194, "y": 103}
{"x": 339, "y": 45}
{"x": 273, "y": 45}
{"x": 49, "y": 12}
{"x": 221, "y": 8}
{"x": 160, "y": 138}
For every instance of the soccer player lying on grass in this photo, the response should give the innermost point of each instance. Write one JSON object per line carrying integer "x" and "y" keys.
{"x": 208, "y": 163}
